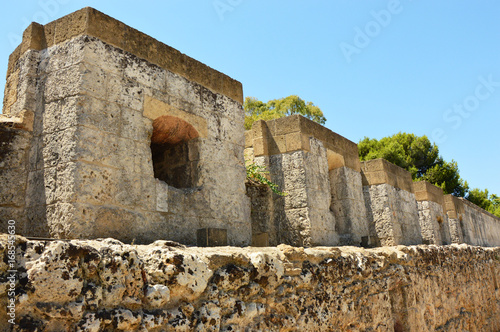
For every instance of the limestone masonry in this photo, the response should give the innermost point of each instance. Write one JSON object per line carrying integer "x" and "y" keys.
{"x": 105, "y": 285}
{"x": 109, "y": 133}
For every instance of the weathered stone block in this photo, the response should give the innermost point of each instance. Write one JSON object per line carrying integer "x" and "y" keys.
{"x": 63, "y": 83}
{"x": 70, "y": 26}
{"x": 33, "y": 38}
{"x": 260, "y": 240}
{"x": 162, "y": 196}
{"x": 124, "y": 92}
{"x": 49, "y": 31}
{"x": 96, "y": 184}
{"x": 211, "y": 237}
{"x": 10, "y": 96}
{"x": 13, "y": 186}
{"x": 14, "y": 146}
{"x": 260, "y": 147}
{"x": 105, "y": 28}
{"x": 134, "y": 125}
{"x": 287, "y": 125}
{"x": 117, "y": 222}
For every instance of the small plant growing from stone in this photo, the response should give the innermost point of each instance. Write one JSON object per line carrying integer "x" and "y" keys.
{"x": 256, "y": 175}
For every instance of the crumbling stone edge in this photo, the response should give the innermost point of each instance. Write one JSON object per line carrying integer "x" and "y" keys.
{"x": 99, "y": 285}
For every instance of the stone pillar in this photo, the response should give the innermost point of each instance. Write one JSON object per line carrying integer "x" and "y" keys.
{"x": 455, "y": 212}
{"x": 434, "y": 223}
{"x": 296, "y": 151}
{"x": 390, "y": 203}
{"x": 348, "y": 206}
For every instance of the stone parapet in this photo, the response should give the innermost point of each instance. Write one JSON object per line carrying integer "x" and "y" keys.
{"x": 380, "y": 171}
{"x": 91, "y": 22}
{"x": 453, "y": 206}
{"x": 478, "y": 209}
{"x": 292, "y": 133}
{"x": 425, "y": 191}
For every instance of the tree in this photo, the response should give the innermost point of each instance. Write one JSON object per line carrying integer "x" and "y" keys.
{"x": 417, "y": 155}
{"x": 277, "y": 108}
{"x": 480, "y": 198}
{"x": 495, "y": 205}
{"x": 483, "y": 199}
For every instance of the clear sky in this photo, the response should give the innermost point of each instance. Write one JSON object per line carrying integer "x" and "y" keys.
{"x": 374, "y": 67}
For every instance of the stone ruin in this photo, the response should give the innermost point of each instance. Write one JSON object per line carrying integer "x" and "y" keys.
{"x": 107, "y": 132}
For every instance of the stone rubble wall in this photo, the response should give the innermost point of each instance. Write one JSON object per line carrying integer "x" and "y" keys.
{"x": 105, "y": 285}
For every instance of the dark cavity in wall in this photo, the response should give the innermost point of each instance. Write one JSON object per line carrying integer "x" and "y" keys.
{"x": 174, "y": 146}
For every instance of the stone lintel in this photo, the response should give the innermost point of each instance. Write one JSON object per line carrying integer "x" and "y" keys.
{"x": 292, "y": 133}
{"x": 88, "y": 21}
{"x": 23, "y": 121}
{"x": 426, "y": 191}
{"x": 380, "y": 171}
{"x": 154, "y": 108}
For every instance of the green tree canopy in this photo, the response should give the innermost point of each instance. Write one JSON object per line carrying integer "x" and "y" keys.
{"x": 277, "y": 108}
{"x": 417, "y": 155}
{"x": 483, "y": 199}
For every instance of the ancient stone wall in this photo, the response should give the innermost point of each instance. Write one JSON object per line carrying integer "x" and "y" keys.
{"x": 110, "y": 106}
{"x": 391, "y": 205}
{"x": 371, "y": 203}
{"x": 107, "y": 132}
{"x": 15, "y": 139}
{"x": 106, "y": 285}
{"x": 319, "y": 172}
{"x": 471, "y": 224}
{"x": 434, "y": 224}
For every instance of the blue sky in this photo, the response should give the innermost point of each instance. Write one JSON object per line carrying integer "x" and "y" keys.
{"x": 374, "y": 67}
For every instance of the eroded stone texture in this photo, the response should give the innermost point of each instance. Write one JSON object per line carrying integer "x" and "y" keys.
{"x": 478, "y": 226}
{"x": 107, "y": 285}
{"x": 434, "y": 224}
{"x": 15, "y": 142}
{"x": 348, "y": 206}
{"x": 302, "y": 217}
{"x": 92, "y": 168}
{"x": 393, "y": 215}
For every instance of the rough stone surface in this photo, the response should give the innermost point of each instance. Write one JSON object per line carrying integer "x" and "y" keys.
{"x": 478, "y": 226}
{"x": 106, "y": 285}
{"x": 302, "y": 217}
{"x": 434, "y": 225}
{"x": 393, "y": 215}
{"x": 92, "y": 166}
{"x": 110, "y": 133}
{"x": 348, "y": 206}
